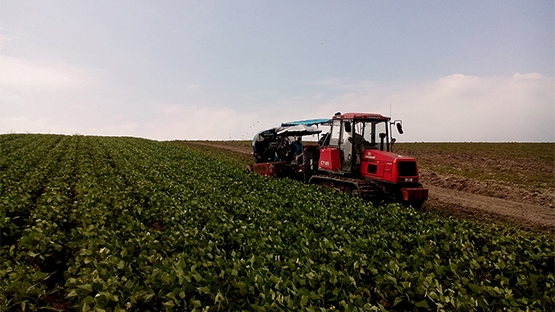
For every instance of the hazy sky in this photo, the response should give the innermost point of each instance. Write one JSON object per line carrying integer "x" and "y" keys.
{"x": 451, "y": 70}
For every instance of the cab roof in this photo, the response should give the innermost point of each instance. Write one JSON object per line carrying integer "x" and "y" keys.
{"x": 362, "y": 116}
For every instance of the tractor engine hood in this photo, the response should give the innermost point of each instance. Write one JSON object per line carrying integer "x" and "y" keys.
{"x": 387, "y": 166}
{"x": 375, "y": 154}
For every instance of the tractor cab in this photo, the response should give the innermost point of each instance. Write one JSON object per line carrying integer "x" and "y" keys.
{"x": 350, "y": 136}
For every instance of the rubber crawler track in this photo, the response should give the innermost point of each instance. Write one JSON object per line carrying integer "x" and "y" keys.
{"x": 365, "y": 189}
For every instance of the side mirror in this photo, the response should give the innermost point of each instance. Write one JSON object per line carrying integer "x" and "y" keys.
{"x": 400, "y": 128}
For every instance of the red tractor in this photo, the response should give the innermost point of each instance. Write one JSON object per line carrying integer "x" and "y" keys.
{"x": 355, "y": 156}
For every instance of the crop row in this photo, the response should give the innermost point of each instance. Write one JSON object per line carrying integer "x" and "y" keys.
{"x": 132, "y": 224}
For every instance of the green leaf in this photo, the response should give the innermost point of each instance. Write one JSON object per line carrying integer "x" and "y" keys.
{"x": 475, "y": 288}
{"x": 204, "y": 289}
{"x": 84, "y": 289}
{"x": 195, "y": 303}
{"x": 197, "y": 277}
{"x": 148, "y": 297}
{"x": 257, "y": 307}
{"x": 304, "y": 300}
{"x": 72, "y": 294}
{"x": 422, "y": 304}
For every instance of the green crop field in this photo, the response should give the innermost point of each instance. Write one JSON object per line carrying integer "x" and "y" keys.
{"x": 111, "y": 224}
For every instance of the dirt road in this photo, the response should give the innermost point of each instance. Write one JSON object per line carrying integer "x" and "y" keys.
{"x": 468, "y": 203}
{"x": 476, "y": 206}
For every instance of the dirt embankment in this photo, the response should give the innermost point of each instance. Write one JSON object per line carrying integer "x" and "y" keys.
{"x": 540, "y": 197}
{"x": 475, "y": 199}
{"x": 479, "y": 200}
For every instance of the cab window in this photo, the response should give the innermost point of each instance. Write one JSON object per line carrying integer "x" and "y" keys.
{"x": 335, "y": 131}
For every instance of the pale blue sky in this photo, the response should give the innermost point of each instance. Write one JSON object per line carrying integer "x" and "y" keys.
{"x": 452, "y": 70}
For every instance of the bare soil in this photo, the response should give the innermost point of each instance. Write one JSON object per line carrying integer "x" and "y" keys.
{"x": 535, "y": 196}
{"x": 457, "y": 195}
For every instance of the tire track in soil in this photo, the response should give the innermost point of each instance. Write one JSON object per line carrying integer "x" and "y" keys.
{"x": 476, "y": 206}
{"x": 466, "y": 205}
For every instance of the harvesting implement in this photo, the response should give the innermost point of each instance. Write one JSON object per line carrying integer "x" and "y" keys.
{"x": 355, "y": 156}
